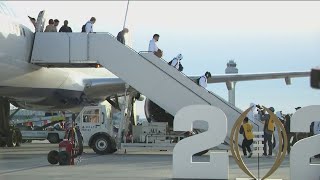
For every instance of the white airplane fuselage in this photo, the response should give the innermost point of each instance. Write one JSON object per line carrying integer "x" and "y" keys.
{"x": 33, "y": 87}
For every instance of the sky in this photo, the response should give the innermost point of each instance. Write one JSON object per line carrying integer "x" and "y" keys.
{"x": 261, "y": 36}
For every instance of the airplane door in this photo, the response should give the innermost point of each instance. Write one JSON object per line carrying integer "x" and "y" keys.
{"x": 41, "y": 21}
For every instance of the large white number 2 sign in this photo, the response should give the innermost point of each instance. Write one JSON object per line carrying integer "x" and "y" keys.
{"x": 183, "y": 167}
{"x": 300, "y": 167}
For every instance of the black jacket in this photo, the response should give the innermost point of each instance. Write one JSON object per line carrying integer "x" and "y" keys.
{"x": 120, "y": 37}
{"x": 65, "y": 29}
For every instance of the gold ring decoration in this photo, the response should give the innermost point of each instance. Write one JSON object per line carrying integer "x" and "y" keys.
{"x": 235, "y": 147}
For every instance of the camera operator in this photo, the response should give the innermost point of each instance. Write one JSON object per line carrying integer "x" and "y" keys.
{"x": 253, "y": 114}
{"x": 268, "y": 130}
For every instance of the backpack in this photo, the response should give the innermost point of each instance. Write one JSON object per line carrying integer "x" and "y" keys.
{"x": 198, "y": 80}
{"x": 180, "y": 67}
{"x": 84, "y": 28}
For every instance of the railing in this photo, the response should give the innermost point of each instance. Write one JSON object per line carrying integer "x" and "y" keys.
{"x": 172, "y": 76}
{"x": 138, "y": 53}
{"x": 191, "y": 80}
{"x": 220, "y": 98}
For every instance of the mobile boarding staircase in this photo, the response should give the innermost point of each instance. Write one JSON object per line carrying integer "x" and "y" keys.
{"x": 145, "y": 72}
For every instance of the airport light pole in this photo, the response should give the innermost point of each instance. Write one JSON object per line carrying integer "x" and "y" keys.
{"x": 231, "y": 69}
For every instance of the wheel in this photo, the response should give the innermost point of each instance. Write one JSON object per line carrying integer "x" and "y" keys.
{"x": 19, "y": 137}
{"x": 3, "y": 144}
{"x": 53, "y": 157}
{"x": 102, "y": 145}
{"x": 53, "y": 138}
{"x": 12, "y": 139}
{"x": 64, "y": 158}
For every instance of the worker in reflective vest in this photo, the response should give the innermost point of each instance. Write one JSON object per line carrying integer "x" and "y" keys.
{"x": 246, "y": 130}
{"x": 268, "y": 132}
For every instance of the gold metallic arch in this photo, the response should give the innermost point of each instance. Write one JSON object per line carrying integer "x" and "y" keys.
{"x": 235, "y": 148}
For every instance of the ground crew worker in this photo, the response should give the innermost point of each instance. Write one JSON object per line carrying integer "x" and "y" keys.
{"x": 153, "y": 46}
{"x": 203, "y": 80}
{"x": 246, "y": 130}
{"x": 120, "y": 36}
{"x": 289, "y": 133}
{"x": 268, "y": 132}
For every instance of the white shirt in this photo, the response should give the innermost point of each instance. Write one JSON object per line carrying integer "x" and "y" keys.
{"x": 316, "y": 127}
{"x": 89, "y": 27}
{"x": 175, "y": 63}
{"x": 153, "y": 46}
{"x": 203, "y": 81}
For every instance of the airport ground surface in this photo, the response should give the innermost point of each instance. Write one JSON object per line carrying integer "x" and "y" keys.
{"x": 29, "y": 162}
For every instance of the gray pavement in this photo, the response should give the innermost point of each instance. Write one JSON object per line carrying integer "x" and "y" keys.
{"x": 30, "y": 163}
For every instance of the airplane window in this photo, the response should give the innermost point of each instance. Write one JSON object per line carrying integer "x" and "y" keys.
{"x": 91, "y": 116}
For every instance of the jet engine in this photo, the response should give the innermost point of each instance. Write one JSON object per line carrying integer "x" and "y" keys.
{"x": 155, "y": 113}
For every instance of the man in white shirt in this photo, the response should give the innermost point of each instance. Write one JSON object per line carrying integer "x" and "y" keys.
{"x": 176, "y": 61}
{"x": 153, "y": 46}
{"x": 203, "y": 80}
{"x": 89, "y": 25}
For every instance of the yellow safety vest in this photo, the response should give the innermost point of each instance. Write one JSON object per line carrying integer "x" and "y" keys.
{"x": 247, "y": 127}
{"x": 271, "y": 125}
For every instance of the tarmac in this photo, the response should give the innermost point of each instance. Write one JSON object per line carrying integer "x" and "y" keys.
{"x": 29, "y": 162}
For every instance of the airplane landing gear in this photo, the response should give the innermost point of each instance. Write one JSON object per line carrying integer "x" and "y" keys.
{"x": 9, "y": 135}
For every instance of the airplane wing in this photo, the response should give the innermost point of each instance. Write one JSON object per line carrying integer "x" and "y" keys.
{"x": 110, "y": 87}
{"x": 258, "y": 76}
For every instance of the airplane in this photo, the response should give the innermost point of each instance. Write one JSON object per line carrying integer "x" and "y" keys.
{"x": 32, "y": 87}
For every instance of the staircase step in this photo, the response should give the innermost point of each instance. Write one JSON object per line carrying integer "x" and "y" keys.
{"x": 260, "y": 133}
{"x": 258, "y": 139}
